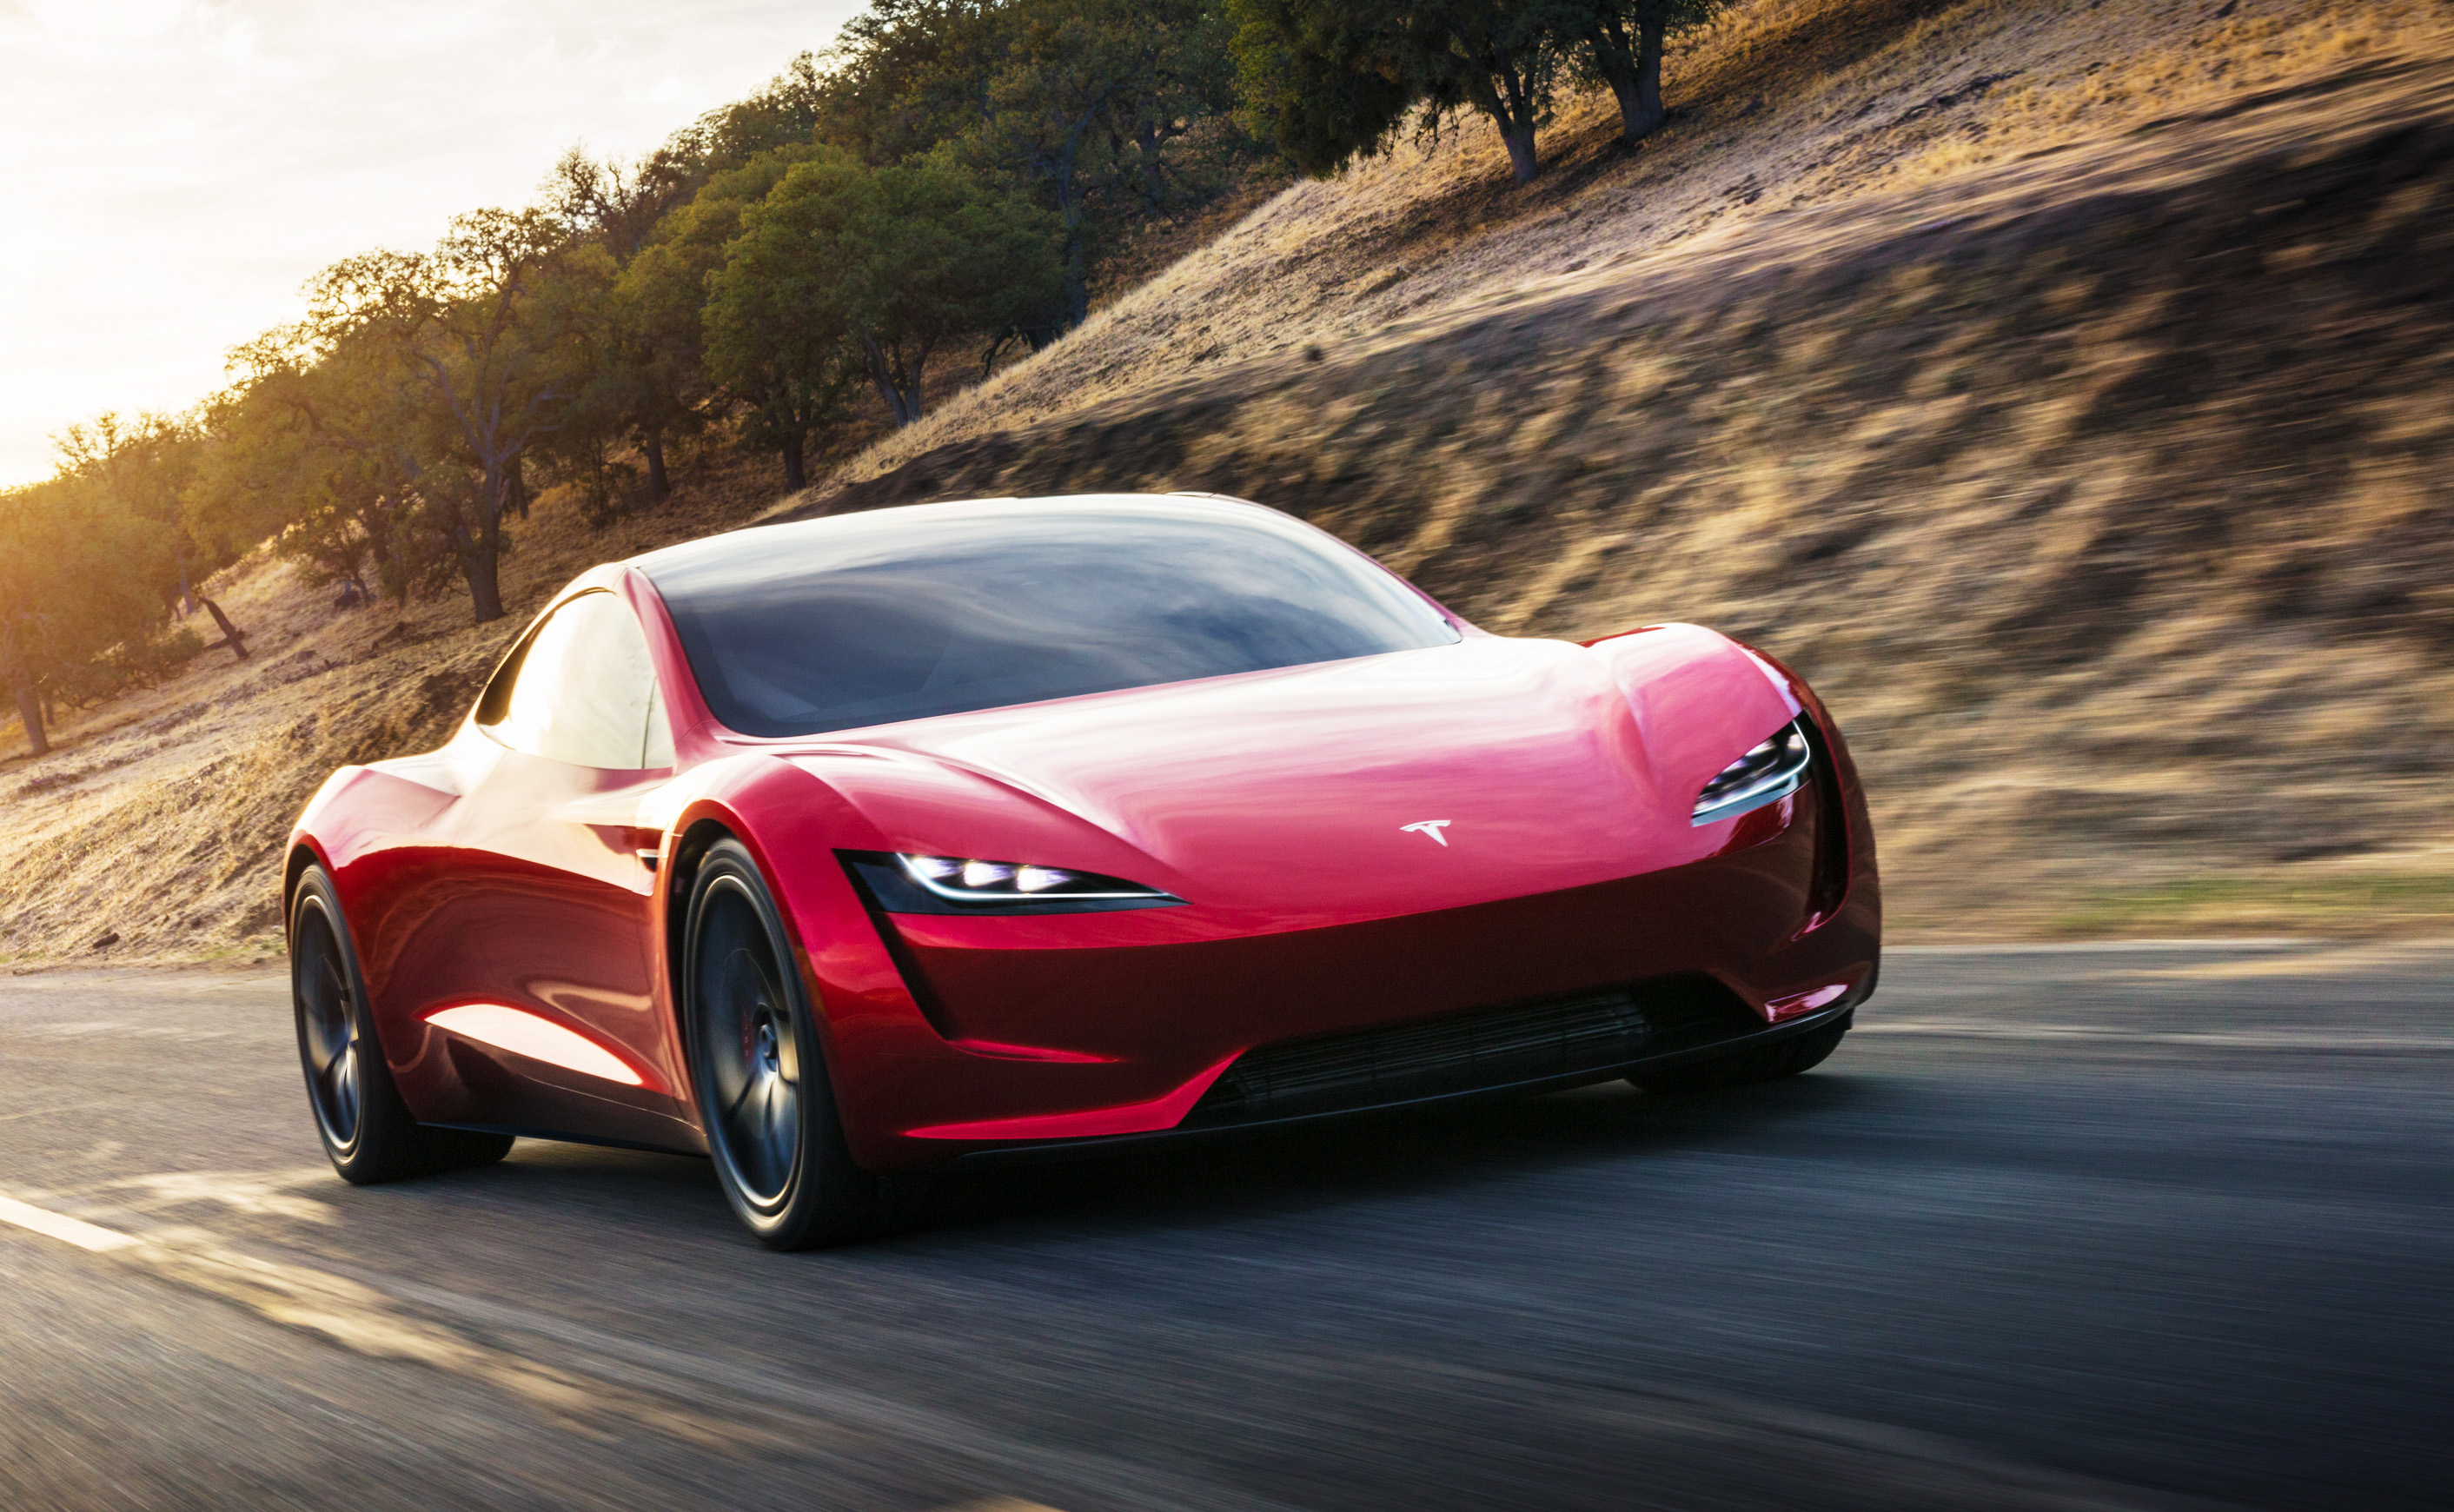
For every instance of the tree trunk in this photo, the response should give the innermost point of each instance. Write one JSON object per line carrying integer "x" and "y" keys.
{"x": 1077, "y": 284}
{"x": 1513, "y": 106}
{"x": 485, "y": 585}
{"x": 1069, "y": 208}
{"x": 30, "y": 713}
{"x": 653, "y": 445}
{"x": 1520, "y": 150}
{"x": 481, "y": 550}
{"x": 1154, "y": 188}
{"x": 230, "y": 637}
{"x": 889, "y": 382}
{"x": 797, "y": 467}
{"x": 515, "y": 488}
{"x": 1648, "y": 78}
{"x": 1633, "y": 69}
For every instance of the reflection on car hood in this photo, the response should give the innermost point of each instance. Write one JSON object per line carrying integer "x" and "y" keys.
{"x": 1417, "y": 779}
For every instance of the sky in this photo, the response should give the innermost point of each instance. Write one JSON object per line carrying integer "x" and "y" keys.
{"x": 175, "y": 169}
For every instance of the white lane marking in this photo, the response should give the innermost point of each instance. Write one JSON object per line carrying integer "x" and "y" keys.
{"x": 60, "y": 1226}
{"x": 620, "y": 1379}
{"x": 353, "y": 1314}
{"x": 2252, "y": 1039}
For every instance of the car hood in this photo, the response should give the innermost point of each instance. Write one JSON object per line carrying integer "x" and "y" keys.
{"x": 1416, "y": 779}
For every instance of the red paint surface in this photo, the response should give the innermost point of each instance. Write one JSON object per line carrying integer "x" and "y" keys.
{"x": 540, "y": 1039}
{"x": 1274, "y": 802}
{"x": 1797, "y": 1005}
{"x": 1139, "y": 1117}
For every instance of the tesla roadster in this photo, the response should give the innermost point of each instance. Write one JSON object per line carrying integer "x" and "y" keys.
{"x": 860, "y": 846}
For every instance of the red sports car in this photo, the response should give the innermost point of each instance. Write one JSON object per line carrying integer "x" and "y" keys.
{"x": 858, "y": 846}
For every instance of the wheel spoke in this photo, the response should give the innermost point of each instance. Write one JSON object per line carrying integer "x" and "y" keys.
{"x": 769, "y": 1170}
{"x": 749, "y": 1084}
{"x": 328, "y": 1031}
{"x": 783, "y": 1115}
{"x": 744, "y": 1024}
{"x": 321, "y": 1048}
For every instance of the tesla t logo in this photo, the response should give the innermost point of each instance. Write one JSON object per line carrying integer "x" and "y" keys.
{"x": 1430, "y": 827}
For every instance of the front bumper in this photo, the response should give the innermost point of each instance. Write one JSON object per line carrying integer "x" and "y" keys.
{"x": 1197, "y": 1131}
{"x": 1085, "y": 1030}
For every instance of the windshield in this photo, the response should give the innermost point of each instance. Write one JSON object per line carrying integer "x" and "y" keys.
{"x": 831, "y": 624}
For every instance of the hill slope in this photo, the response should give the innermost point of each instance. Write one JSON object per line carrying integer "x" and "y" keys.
{"x": 2083, "y": 434}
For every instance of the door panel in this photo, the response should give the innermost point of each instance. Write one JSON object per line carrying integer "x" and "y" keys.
{"x": 540, "y": 952}
{"x": 552, "y": 915}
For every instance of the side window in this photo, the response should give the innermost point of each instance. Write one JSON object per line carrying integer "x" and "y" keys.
{"x": 583, "y": 692}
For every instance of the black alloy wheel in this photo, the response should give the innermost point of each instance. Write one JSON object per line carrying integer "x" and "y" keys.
{"x": 759, "y": 1072}
{"x": 366, "y": 1128}
{"x": 328, "y": 1031}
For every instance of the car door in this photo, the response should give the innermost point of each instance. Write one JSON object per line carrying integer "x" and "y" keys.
{"x": 547, "y": 987}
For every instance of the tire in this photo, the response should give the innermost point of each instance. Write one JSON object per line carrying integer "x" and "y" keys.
{"x": 366, "y": 1128}
{"x": 760, "y": 1071}
{"x": 1771, "y": 1062}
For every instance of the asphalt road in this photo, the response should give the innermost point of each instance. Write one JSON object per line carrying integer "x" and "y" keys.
{"x": 2077, "y": 1228}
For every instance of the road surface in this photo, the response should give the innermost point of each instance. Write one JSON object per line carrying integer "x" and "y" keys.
{"x": 2075, "y": 1228}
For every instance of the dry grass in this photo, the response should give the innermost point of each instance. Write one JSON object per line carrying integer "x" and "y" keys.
{"x": 2063, "y": 386}
{"x": 161, "y": 814}
{"x": 1785, "y": 104}
{"x": 2102, "y": 485}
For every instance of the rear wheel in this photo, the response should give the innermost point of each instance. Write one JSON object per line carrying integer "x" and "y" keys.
{"x": 760, "y": 1071}
{"x": 367, "y": 1130}
{"x": 1771, "y": 1062}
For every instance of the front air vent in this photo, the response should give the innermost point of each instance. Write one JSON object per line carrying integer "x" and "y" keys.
{"x": 1565, "y": 1036}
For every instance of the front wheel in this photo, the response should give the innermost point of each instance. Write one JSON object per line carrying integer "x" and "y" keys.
{"x": 367, "y": 1129}
{"x": 1787, "y": 1057}
{"x": 760, "y": 1071}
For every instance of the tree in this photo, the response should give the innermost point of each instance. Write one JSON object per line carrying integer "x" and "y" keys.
{"x": 1500, "y": 60}
{"x": 1091, "y": 97}
{"x": 1620, "y": 44}
{"x": 905, "y": 77}
{"x": 893, "y": 263}
{"x": 65, "y": 593}
{"x": 1334, "y": 78}
{"x": 468, "y": 323}
{"x": 144, "y": 469}
{"x": 664, "y": 295}
{"x": 1095, "y": 105}
{"x": 638, "y": 384}
{"x": 1320, "y": 80}
{"x": 318, "y": 451}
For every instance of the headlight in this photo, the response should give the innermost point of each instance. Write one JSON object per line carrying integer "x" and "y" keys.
{"x": 958, "y": 884}
{"x": 1769, "y": 772}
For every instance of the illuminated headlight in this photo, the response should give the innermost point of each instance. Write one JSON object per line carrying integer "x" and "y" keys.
{"x": 968, "y": 879}
{"x": 1769, "y": 772}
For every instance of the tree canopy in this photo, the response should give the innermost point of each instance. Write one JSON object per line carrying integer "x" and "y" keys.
{"x": 782, "y": 274}
{"x": 1334, "y": 79}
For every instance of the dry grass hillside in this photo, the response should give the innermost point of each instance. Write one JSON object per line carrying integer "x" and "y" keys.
{"x": 2063, "y": 386}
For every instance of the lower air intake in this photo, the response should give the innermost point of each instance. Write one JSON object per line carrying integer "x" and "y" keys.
{"x": 1565, "y": 1036}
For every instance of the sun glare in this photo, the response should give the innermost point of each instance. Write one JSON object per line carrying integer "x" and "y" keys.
{"x": 186, "y": 165}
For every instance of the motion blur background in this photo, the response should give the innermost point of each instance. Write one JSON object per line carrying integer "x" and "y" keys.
{"x": 2061, "y": 384}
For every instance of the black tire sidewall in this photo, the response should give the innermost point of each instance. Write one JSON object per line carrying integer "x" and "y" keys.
{"x": 827, "y": 1199}
{"x": 386, "y": 1133}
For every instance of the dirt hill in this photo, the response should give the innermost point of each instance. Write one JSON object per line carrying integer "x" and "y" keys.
{"x": 2065, "y": 388}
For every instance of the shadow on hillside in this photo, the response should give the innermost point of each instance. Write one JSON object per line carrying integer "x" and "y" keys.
{"x": 1787, "y": 59}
